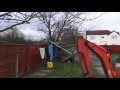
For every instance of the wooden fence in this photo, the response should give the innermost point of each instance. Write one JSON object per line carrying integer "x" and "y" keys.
{"x": 17, "y": 60}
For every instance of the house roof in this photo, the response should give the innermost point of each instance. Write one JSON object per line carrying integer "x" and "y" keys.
{"x": 98, "y": 32}
{"x": 116, "y": 32}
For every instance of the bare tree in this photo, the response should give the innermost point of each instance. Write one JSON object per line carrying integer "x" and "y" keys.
{"x": 9, "y": 20}
{"x": 54, "y": 23}
{"x": 13, "y": 36}
{"x": 70, "y": 35}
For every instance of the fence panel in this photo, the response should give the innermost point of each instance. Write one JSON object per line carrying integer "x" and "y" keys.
{"x": 28, "y": 59}
{"x": 22, "y": 57}
{"x": 7, "y": 61}
{"x": 114, "y": 48}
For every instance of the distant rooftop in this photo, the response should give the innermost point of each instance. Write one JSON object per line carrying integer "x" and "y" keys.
{"x": 98, "y": 32}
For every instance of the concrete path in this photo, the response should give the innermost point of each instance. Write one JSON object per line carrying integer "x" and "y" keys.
{"x": 39, "y": 73}
{"x": 95, "y": 61}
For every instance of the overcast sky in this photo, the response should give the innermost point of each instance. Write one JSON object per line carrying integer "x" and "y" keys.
{"x": 108, "y": 21}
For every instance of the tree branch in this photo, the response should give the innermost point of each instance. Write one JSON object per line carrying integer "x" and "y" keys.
{"x": 12, "y": 26}
{"x": 5, "y": 14}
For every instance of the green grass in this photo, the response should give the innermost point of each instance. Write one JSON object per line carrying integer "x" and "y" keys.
{"x": 65, "y": 70}
{"x": 61, "y": 70}
{"x": 112, "y": 57}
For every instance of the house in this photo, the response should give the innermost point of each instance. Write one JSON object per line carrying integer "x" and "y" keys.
{"x": 103, "y": 37}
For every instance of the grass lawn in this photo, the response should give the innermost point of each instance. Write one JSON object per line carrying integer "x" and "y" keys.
{"x": 65, "y": 70}
{"x": 59, "y": 70}
{"x": 113, "y": 56}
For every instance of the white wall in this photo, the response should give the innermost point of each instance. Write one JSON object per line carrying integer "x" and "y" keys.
{"x": 103, "y": 41}
{"x": 98, "y": 39}
{"x": 106, "y": 40}
{"x": 114, "y": 41}
{"x": 93, "y": 40}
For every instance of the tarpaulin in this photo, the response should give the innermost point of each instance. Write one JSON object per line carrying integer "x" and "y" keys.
{"x": 50, "y": 50}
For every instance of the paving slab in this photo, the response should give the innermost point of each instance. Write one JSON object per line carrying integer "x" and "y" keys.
{"x": 39, "y": 74}
{"x": 46, "y": 71}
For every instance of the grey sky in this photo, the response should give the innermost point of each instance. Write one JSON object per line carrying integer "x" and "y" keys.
{"x": 108, "y": 21}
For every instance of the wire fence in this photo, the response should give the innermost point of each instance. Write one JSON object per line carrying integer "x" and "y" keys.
{"x": 69, "y": 47}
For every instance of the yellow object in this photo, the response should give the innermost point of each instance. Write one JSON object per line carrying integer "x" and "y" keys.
{"x": 49, "y": 64}
{"x": 109, "y": 71}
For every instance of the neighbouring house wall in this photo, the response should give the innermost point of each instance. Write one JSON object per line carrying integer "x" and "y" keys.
{"x": 103, "y": 39}
{"x": 107, "y": 40}
{"x": 115, "y": 41}
{"x": 95, "y": 40}
{"x": 98, "y": 39}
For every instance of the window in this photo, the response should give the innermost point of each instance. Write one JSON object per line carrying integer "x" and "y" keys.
{"x": 102, "y": 37}
{"x": 92, "y": 37}
{"x": 114, "y": 36}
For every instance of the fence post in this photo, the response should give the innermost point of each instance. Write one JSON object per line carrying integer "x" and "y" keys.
{"x": 61, "y": 52}
{"x": 17, "y": 64}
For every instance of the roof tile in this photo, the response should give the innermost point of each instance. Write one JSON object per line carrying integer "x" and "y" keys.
{"x": 98, "y": 32}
